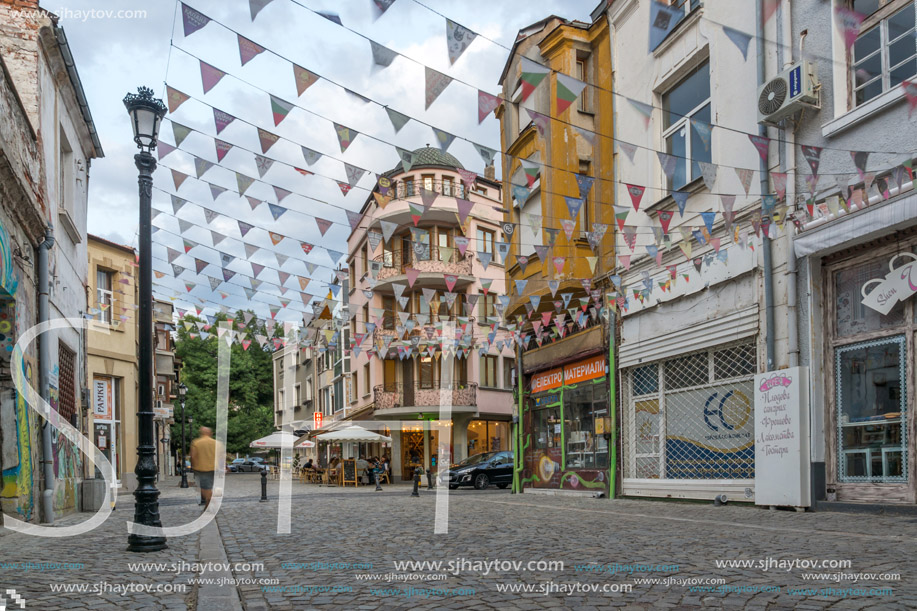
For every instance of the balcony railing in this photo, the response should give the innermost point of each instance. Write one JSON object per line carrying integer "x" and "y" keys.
{"x": 388, "y": 396}
{"x": 411, "y": 188}
{"x": 390, "y": 321}
{"x": 395, "y": 262}
{"x": 549, "y": 338}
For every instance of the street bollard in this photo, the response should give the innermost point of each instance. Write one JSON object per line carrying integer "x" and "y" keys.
{"x": 378, "y": 485}
{"x": 429, "y": 479}
{"x": 263, "y": 486}
{"x": 417, "y": 472}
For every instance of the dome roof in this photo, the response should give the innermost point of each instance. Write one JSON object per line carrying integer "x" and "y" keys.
{"x": 429, "y": 156}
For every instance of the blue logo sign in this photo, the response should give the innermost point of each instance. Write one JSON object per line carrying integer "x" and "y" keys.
{"x": 795, "y": 81}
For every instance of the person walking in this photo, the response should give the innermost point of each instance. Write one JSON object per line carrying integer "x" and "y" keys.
{"x": 203, "y": 462}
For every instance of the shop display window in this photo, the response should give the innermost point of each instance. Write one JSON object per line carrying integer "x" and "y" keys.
{"x": 583, "y": 405}
{"x": 872, "y": 410}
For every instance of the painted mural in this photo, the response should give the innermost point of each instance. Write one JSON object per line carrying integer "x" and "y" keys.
{"x": 17, "y": 479}
{"x": 8, "y": 277}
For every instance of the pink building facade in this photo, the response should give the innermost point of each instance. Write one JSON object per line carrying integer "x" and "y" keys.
{"x": 421, "y": 290}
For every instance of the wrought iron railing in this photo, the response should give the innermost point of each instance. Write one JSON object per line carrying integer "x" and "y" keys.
{"x": 411, "y": 188}
{"x": 428, "y": 259}
{"x": 421, "y": 394}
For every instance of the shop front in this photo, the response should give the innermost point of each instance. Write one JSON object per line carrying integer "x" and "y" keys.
{"x": 870, "y": 332}
{"x": 564, "y": 427}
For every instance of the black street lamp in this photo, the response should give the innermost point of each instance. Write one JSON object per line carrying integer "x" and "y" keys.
{"x": 146, "y": 114}
{"x": 182, "y": 391}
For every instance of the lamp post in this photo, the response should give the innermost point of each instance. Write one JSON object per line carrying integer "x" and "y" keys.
{"x": 182, "y": 391}
{"x": 146, "y": 113}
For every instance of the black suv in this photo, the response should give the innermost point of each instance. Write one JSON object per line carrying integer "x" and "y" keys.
{"x": 481, "y": 470}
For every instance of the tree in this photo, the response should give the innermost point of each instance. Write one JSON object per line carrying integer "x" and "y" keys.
{"x": 251, "y": 387}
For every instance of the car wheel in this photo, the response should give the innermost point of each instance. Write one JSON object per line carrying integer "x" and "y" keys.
{"x": 453, "y": 486}
{"x": 502, "y": 486}
{"x": 481, "y": 481}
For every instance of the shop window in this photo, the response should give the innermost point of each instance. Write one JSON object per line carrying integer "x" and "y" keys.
{"x": 851, "y": 316}
{"x": 872, "y": 411}
{"x": 582, "y": 406}
{"x": 685, "y": 371}
{"x": 884, "y": 54}
{"x": 489, "y": 371}
{"x": 734, "y": 362}
{"x": 687, "y": 102}
{"x": 546, "y": 428}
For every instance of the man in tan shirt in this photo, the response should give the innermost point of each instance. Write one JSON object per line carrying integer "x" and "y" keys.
{"x": 203, "y": 462}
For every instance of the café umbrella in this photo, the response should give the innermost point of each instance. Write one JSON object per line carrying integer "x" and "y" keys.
{"x": 274, "y": 440}
{"x": 354, "y": 433}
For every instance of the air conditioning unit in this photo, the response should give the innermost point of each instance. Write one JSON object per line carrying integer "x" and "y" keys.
{"x": 789, "y": 92}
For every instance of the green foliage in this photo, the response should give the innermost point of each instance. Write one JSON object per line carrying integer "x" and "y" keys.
{"x": 251, "y": 387}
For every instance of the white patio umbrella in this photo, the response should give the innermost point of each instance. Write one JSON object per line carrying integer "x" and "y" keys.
{"x": 354, "y": 433}
{"x": 274, "y": 440}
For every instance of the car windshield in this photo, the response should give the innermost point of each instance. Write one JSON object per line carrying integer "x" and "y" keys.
{"x": 477, "y": 458}
{"x": 238, "y": 460}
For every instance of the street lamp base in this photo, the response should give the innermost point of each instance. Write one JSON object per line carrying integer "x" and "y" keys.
{"x": 143, "y": 543}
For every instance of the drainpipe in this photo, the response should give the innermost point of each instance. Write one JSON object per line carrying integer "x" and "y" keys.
{"x": 44, "y": 362}
{"x": 766, "y": 242}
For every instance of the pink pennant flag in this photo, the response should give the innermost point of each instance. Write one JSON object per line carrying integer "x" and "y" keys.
{"x": 222, "y": 119}
{"x": 636, "y": 194}
{"x": 323, "y": 225}
{"x": 779, "y": 179}
{"x": 849, "y": 21}
{"x": 222, "y": 148}
{"x": 486, "y": 104}
{"x": 163, "y": 149}
{"x": 910, "y": 93}
{"x": 210, "y": 76}
{"x": 760, "y": 143}
{"x": 559, "y": 264}
{"x": 625, "y": 261}
{"x": 665, "y": 217}
{"x": 464, "y": 207}
{"x": 450, "y": 280}
{"x": 248, "y": 50}
{"x": 412, "y": 275}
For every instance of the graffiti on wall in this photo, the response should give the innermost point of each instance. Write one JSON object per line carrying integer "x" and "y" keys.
{"x": 66, "y": 457}
{"x": 16, "y": 479}
{"x": 8, "y": 280}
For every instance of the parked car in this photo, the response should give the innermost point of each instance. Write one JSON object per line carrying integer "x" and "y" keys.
{"x": 247, "y": 464}
{"x": 481, "y": 470}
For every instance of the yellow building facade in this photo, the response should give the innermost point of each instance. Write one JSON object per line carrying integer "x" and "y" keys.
{"x": 562, "y": 252}
{"x": 112, "y": 354}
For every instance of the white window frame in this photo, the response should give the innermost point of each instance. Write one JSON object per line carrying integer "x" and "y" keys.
{"x": 684, "y": 122}
{"x": 880, "y": 21}
{"x": 101, "y": 294}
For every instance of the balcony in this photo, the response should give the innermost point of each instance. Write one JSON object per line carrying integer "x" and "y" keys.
{"x": 393, "y": 396}
{"x": 403, "y": 189}
{"x": 394, "y": 263}
{"x": 549, "y": 338}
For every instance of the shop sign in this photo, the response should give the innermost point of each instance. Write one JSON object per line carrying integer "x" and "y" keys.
{"x": 582, "y": 371}
{"x": 781, "y": 438}
{"x": 102, "y": 399}
{"x": 162, "y": 412}
{"x": 709, "y": 433}
{"x": 547, "y": 380}
{"x": 898, "y": 285}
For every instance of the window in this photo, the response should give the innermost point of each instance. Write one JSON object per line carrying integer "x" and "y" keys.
{"x": 871, "y": 410}
{"x": 408, "y": 186}
{"x": 489, "y": 371}
{"x": 488, "y": 308}
{"x": 485, "y": 241}
{"x": 489, "y": 436}
{"x": 428, "y": 182}
{"x": 884, "y": 54}
{"x": 584, "y": 216}
{"x": 443, "y": 240}
{"x": 460, "y": 375}
{"x": 851, "y": 316}
{"x": 583, "y": 404}
{"x": 366, "y": 320}
{"x": 546, "y": 427}
{"x": 390, "y": 374}
{"x": 281, "y": 397}
{"x": 366, "y": 380}
{"x": 67, "y": 383}
{"x": 687, "y": 102}
{"x": 297, "y": 396}
{"x": 508, "y": 364}
{"x": 353, "y": 274}
{"x": 388, "y": 312}
{"x": 66, "y": 179}
{"x": 104, "y": 283}
{"x": 388, "y": 255}
{"x": 429, "y": 369}
{"x": 447, "y": 186}
{"x": 582, "y": 73}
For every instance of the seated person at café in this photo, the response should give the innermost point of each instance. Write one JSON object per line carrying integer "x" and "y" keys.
{"x": 308, "y": 464}
{"x": 362, "y": 466}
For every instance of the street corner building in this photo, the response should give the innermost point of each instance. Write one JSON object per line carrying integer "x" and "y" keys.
{"x": 47, "y": 142}
{"x": 559, "y": 164}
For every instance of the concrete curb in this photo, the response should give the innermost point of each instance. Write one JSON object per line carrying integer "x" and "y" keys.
{"x": 212, "y": 596}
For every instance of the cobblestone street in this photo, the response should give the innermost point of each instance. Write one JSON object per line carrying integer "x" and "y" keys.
{"x": 344, "y": 544}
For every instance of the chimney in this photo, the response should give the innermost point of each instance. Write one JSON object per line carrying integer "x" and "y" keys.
{"x": 490, "y": 172}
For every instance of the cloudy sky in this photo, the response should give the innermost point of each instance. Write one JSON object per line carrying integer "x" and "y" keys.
{"x": 115, "y": 55}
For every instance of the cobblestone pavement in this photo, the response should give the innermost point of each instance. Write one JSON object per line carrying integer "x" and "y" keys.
{"x": 344, "y": 544}
{"x": 339, "y": 536}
